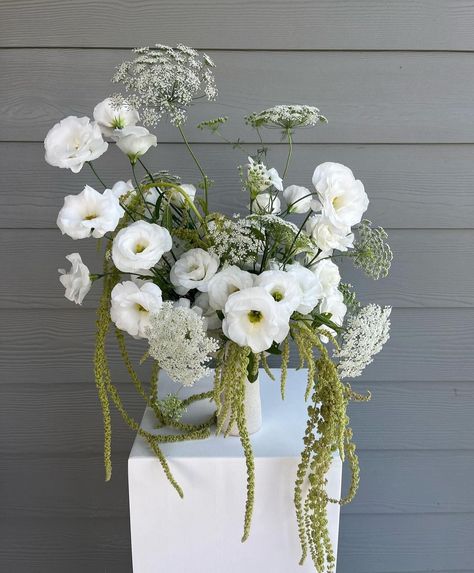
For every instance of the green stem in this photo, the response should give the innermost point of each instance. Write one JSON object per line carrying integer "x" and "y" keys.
{"x": 201, "y": 170}
{"x": 290, "y": 253}
{"x": 89, "y": 163}
{"x": 290, "y": 152}
{"x": 139, "y": 189}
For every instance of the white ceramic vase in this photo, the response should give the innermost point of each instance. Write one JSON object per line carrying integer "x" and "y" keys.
{"x": 253, "y": 408}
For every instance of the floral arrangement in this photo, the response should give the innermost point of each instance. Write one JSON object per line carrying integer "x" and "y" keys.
{"x": 203, "y": 288}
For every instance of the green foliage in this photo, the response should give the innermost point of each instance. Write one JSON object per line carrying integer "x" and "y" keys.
{"x": 229, "y": 395}
{"x": 327, "y": 433}
{"x": 350, "y": 299}
{"x": 171, "y": 407}
{"x": 212, "y": 125}
{"x": 371, "y": 253}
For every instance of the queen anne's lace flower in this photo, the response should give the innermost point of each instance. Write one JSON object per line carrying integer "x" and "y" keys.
{"x": 165, "y": 80}
{"x": 366, "y": 333}
{"x": 286, "y": 117}
{"x": 178, "y": 342}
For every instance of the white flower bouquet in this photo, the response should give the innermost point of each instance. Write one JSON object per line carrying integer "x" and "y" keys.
{"x": 204, "y": 288}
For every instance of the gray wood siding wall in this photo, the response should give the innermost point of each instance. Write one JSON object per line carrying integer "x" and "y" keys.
{"x": 396, "y": 79}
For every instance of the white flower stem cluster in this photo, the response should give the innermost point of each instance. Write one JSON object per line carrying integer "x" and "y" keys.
{"x": 286, "y": 117}
{"x": 165, "y": 80}
{"x": 366, "y": 333}
{"x": 179, "y": 343}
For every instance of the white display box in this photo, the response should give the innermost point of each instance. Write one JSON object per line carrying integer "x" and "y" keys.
{"x": 201, "y": 533}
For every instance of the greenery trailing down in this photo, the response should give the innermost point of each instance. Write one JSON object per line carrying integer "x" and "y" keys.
{"x": 327, "y": 433}
{"x": 108, "y": 391}
{"x": 229, "y": 395}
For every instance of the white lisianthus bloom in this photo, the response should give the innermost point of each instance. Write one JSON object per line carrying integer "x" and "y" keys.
{"x": 328, "y": 276}
{"x": 266, "y": 203}
{"x": 77, "y": 281}
{"x": 275, "y": 179}
{"x": 111, "y": 118}
{"x": 310, "y": 287}
{"x": 213, "y": 322}
{"x": 334, "y": 305}
{"x": 283, "y": 287}
{"x": 342, "y": 197}
{"x": 193, "y": 270}
{"x": 132, "y": 306}
{"x": 178, "y": 199}
{"x": 121, "y": 189}
{"x": 140, "y": 246}
{"x": 89, "y": 213}
{"x": 72, "y": 142}
{"x": 135, "y": 141}
{"x": 253, "y": 318}
{"x": 328, "y": 237}
{"x": 297, "y": 198}
{"x": 225, "y": 282}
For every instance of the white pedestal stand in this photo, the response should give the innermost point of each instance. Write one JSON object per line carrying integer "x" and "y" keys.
{"x": 201, "y": 533}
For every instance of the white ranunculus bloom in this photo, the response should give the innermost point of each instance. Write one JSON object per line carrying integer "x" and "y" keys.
{"x": 121, "y": 189}
{"x": 77, "y": 281}
{"x": 328, "y": 237}
{"x": 213, "y": 322}
{"x": 297, "y": 198}
{"x": 342, "y": 197}
{"x": 253, "y": 318}
{"x": 310, "y": 287}
{"x": 72, "y": 142}
{"x": 135, "y": 141}
{"x": 225, "y": 282}
{"x": 328, "y": 276}
{"x": 132, "y": 306}
{"x": 266, "y": 203}
{"x": 89, "y": 213}
{"x": 111, "y": 118}
{"x": 178, "y": 199}
{"x": 284, "y": 289}
{"x": 333, "y": 304}
{"x": 193, "y": 270}
{"x": 140, "y": 246}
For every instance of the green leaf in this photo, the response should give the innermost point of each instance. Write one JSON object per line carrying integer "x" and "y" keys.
{"x": 274, "y": 349}
{"x": 252, "y": 372}
{"x": 167, "y": 219}
{"x": 220, "y": 314}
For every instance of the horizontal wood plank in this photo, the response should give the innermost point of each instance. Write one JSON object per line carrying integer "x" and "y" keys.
{"x": 66, "y": 419}
{"x": 320, "y": 24}
{"x": 70, "y": 544}
{"x": 371, "y": 97}
{"x": 367, "y": 544}
{"x": 392, "y": 482}
{"x": 430, "y": 269}
{"x": 407, "y": 184}
{"x": 42, "y": 346}
{"x": 405, "y": 543}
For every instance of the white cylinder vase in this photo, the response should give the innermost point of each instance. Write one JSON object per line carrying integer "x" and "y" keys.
{"x": 253, "y": 409}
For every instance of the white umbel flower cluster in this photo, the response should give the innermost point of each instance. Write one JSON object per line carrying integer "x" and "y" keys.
{"x": 286, "y": 117}
{"x": 165, "y": 80}
{"x": 179, "y": 343}
{"x": 366, "y": 333}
